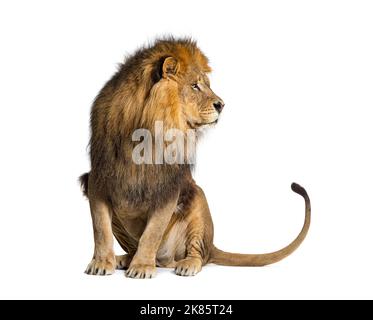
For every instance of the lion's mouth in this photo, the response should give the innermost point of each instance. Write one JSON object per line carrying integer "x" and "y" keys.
{"x": 197, "y": 125}
{"x": 208, "y": 124}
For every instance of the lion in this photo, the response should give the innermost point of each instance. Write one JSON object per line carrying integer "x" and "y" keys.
{"x": 157, "y": 212}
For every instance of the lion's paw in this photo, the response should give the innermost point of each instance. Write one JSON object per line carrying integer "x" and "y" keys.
{"x": 188, "y": 267}
{"x": 140, "y": 271}
{"x": 101, "y": 267}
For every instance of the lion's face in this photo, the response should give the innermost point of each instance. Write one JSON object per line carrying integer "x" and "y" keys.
{"x": 201, "y": 106}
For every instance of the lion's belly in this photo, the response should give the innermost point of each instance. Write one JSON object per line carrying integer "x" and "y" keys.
{"x": 128, "y": 231}
{"x": 173, "y": 246}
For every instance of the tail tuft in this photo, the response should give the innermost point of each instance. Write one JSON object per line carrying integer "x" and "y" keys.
{"x": 299, "y": 190}
{"x": 83, "y": 180}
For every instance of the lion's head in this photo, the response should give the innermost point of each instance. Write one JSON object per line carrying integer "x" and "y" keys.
{"x": 180, "y": 94}
{"x": 167, "y": 82}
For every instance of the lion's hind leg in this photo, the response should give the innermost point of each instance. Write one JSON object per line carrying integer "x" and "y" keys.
{"x": 195, "y": 251}
{"x": 198, "y": 238}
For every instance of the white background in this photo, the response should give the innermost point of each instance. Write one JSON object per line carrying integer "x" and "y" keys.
{"x": 297, "y": 80}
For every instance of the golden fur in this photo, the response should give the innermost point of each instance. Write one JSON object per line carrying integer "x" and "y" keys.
{"x": 158, "y": 214}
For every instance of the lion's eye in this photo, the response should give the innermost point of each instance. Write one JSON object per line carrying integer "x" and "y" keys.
{"x": 196, "y": 87}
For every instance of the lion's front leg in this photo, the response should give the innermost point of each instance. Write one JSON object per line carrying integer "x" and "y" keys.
{"x": 103, "y": 261}
{"x": 143, "y": 263}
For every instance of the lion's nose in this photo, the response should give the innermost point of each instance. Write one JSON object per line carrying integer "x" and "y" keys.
{"x": 219, "y": 105}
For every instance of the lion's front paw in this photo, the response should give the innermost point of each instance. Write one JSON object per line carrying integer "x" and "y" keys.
{"x": 141, "y": 271}
{"x": 101, "y": 267}
{"x": 188, "y": 267}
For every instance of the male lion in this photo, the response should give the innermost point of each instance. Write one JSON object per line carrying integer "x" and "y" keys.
{"x": 158, "y": 214}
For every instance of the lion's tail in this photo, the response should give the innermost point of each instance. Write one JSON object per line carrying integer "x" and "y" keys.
{"x": 83, "y": 180}
{"x": 254, "y": 260}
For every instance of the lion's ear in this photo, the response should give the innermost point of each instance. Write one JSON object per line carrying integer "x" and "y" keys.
{"x": 170, "y": 67}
